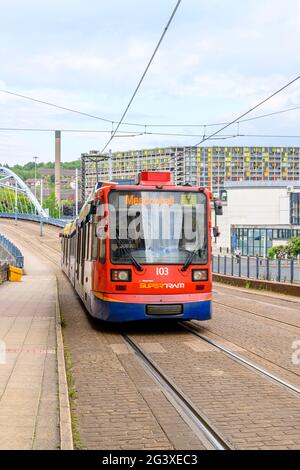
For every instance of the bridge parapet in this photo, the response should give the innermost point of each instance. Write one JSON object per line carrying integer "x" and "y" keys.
{"x": 10, "y": 253}
{"x": 34, "y": 218}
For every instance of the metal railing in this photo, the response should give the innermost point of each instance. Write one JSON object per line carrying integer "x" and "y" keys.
{"x": 34, "y": 218}
{"x": 255, "y": 267}
{"x": 13, "y": 251}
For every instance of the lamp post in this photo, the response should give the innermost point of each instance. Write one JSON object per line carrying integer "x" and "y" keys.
{"x": 35, "y": 159}
{"x": 41, "y": 202}
{"x": 16, "y": 203}
{"x": 76, "y": 192}
{"x": 41, "y": 192}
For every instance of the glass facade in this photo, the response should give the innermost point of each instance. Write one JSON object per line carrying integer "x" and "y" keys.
{"x": 295, "y": 209}
{"x": 257, "y": 241}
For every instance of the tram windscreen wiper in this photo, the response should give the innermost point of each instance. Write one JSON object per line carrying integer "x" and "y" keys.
{"x": 129, "y": 254}
{"x": 190, "y": 258}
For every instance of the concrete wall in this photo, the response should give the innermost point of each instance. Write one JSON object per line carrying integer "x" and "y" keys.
{"x": 260, "y": 206}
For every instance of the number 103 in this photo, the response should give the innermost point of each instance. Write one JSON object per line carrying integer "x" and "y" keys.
{"x": 162, "y": 271}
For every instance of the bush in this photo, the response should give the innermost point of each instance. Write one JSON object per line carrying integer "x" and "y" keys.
{"x": 277, "y": 252}
{"x": 291, "y": 249}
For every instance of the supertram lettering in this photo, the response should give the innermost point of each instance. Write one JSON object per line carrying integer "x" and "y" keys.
{"x": 161, "y": 285}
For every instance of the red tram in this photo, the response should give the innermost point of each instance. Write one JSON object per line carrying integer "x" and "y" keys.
{"x": 142, "y": 251}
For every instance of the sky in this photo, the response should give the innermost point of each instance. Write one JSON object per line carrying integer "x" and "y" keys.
{"x": 219, "y": 58}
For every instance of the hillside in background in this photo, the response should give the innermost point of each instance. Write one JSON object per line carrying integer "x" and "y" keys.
{"x": 27, "y": 171}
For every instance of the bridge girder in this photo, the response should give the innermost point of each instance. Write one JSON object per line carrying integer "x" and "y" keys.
{"x": 7, "y": 175}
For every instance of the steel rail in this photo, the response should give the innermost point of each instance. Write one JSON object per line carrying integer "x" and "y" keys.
{"x": 242, "y": 359}
{"x": 200, "y": 425}
{"x": 259, "y": 314}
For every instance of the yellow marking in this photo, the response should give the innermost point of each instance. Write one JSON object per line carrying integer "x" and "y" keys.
{"x": 188, "y": 199}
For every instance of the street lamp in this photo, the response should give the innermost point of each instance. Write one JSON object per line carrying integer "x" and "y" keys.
{"x": 35, "y": 159}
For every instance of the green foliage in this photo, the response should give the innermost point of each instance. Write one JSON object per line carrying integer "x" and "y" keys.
{"x": 7, "y": 202}
{"x": 72, "y": 165}
{"x": 291, "y": 249}
{"x": 27, "y": 171}
{"x": 51, "y": 204}
{"x": 277, "y": 252}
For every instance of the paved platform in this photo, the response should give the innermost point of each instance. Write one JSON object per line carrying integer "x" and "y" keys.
{"x": 29, "y": 402}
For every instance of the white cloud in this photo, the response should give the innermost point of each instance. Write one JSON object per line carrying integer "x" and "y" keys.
{"x": 215, "y": 62}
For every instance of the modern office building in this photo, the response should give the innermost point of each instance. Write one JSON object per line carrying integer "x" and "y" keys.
{"x": 212, "y": 167}
{"x": 259, "y": 215}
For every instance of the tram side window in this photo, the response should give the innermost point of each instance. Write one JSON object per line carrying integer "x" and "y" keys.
{"x": 94, "y": 242}
{"x": 78, "y": 245}
{"x": 72, "y": 245}
{"x": 83, "y": 231}
{"x": 91, "y": 228}
{"x": 102, "y": 250}
{"x": 87, "y": 241}
{"x": 66, "y": 250}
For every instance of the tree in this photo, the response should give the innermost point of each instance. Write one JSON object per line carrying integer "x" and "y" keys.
{"x": 277, "y": 252}
{"x": 291, "y": 249}
{"x": 51, "y": 204}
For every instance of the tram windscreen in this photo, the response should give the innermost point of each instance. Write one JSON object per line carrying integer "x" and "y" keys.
{"x": 163, "y": 227}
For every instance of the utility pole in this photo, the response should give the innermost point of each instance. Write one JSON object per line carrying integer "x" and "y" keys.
{"x": 16, "y": 204}
{"x": 110, "y": 165}
{"x": 41, "y": 193}
{"x": 57, "y": 167}
{"x": 41, "y": 202}
{"x": 76, "y": 192}
{"x": 35, "y": 159}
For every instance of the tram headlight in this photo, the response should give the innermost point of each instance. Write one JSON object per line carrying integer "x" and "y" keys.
{"x": 199, "y": 275}
{"x": 121, "y": 275}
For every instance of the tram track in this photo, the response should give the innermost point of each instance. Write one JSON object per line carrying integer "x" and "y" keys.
{"x": 43, "y": 247}
{"x": 242, "y": 360}
{"x": 253, "y": 293}
{"x": 198, "y": 423}
{"x": 241, "y": 309}
{"x": 230, "y": 402}
{"x": 197, "y": 420}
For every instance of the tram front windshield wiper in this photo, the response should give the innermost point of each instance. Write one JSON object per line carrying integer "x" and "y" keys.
{"x": 129, "y": 254}
{"x": 191, "y": 256}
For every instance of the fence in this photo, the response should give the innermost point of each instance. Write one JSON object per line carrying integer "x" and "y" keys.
{"x": 255, "y": 267}
{"x": 13, "y": 252}
{"x": 34, "y": 218}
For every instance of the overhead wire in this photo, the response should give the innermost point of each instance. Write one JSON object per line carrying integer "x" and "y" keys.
{"x": 56, "y": 106}
{"x": 138, "y": 134}
{"x": 237, "y": 119}
{"x": 260, "y": 116}
{"x": 143, "y": 75}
